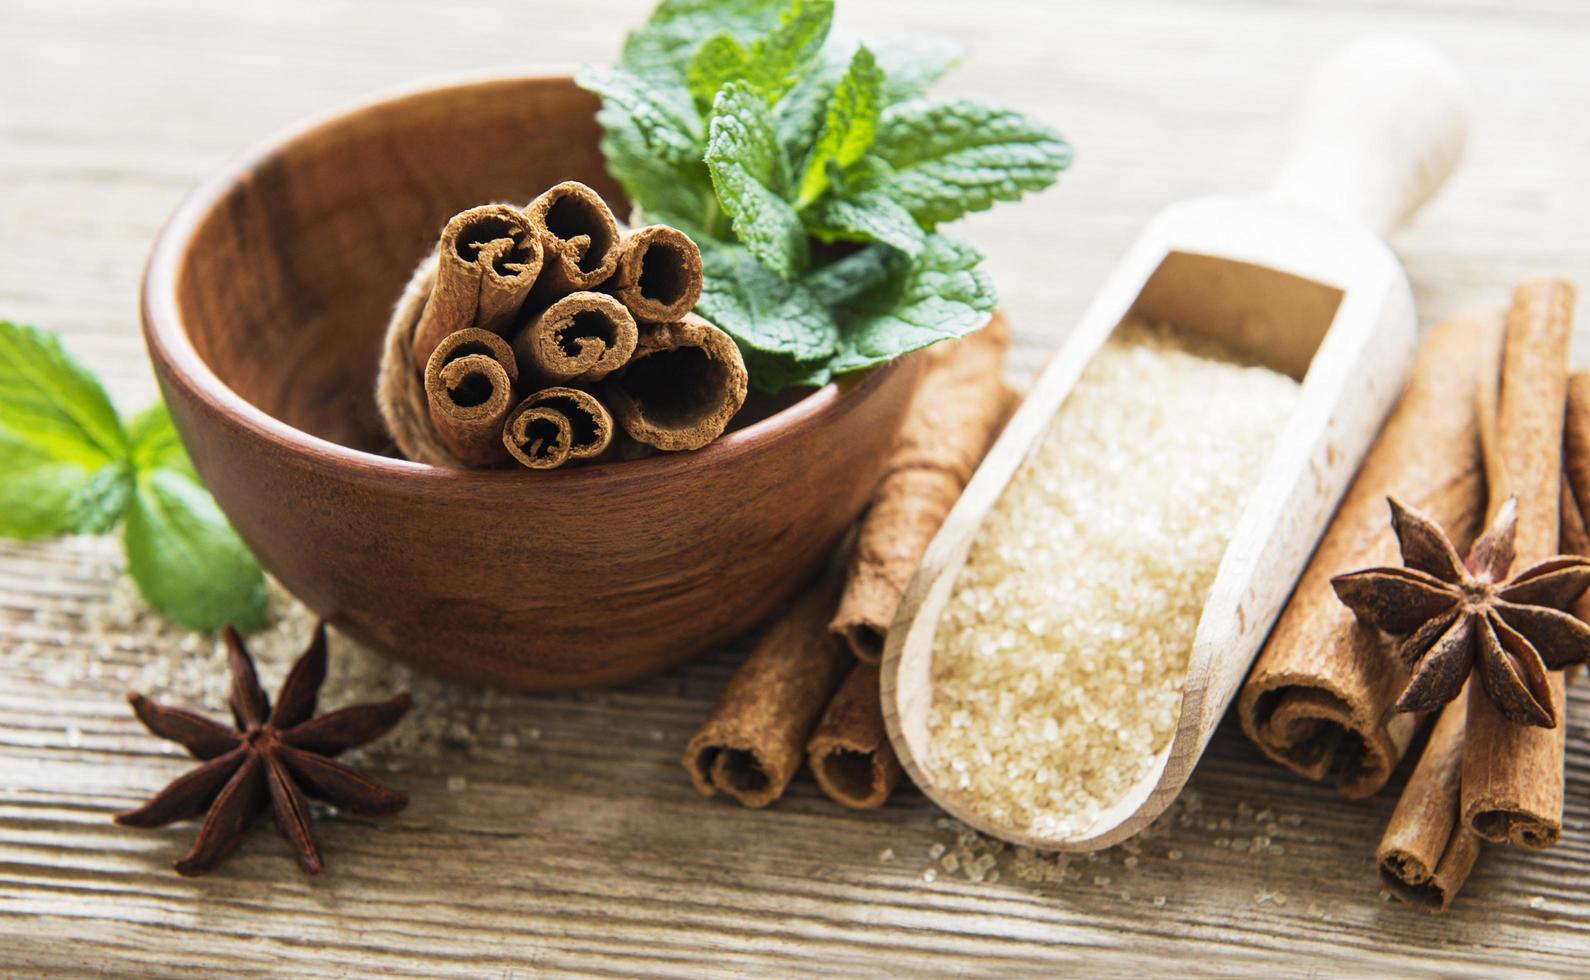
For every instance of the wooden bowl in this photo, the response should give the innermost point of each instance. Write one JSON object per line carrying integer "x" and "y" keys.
{"x": 264, "y": 304}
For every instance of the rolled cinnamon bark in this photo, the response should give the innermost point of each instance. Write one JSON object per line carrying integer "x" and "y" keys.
{"x": 961, "y": 403}
{"x": 469, "y": 390}
{"x": 555, "y": 426}
{"x": 582, "y": 337}
{"x": 487, "y": 260}
{"x": 850, "y": 753}
{"x": 753, "y": 742}
{"x": 658, "y": 275}
{"x": 1513, "y": 774}
{"x": 1428, "y": 851}
{"x": 579, "y": 238}
{"x": 682, "y": 386}
{"x": 1319, "y": 697}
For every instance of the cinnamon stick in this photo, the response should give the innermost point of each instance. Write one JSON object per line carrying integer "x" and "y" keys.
{"x": 579, "y": 237}
{"x": 555, "y": 426}
{"x": 469, "y": 389}
{"x": 487, "y": 260}
{"x": 850, "y": 753}
{"x": 1428, "y": 851}
{"x": 658, "y": 276}
{"x": 682, "y": 386}
{"x": 1513, "y": 774}
{"x": 1319, "y": 696}
{"x": 960, "y": 405}
{"x": 752, "y": 744}
{"x": 582, "y": 337}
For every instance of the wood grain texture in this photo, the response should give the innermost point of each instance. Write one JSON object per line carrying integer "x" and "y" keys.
{"x": 586, "y": 850}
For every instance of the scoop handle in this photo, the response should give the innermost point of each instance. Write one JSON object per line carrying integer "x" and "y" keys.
{"x": 1381, "y": 124}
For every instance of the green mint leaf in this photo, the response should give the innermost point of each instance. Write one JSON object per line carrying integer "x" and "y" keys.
{"x": 661, "y": 49}
{"x": 188, "y": 562}
{"x": 155, "y": 443}
{"x": 850, "y": 123}
{"x": 781, "y": 321}
{"x": 772, "y": 374}
{"x": 652, "y": 140}
{"x": 950, "y": 158}
{"x": 98, "y": 505}
{"x": 844, "y": 280}
{"x": 938, "y": 295}
{"x": 750, "y": 174}
{"x": 720, "y": 61}
{"x": 38, "y": 492}
{"x": 51, "y": 401}
{"x": 778, "y": 60}
{"x": 869, "y": 216}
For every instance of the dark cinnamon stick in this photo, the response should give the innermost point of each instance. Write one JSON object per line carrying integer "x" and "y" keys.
{"x": 850, "y": 753}
{"x": 959, "y": 407}
{"x": 752, "y": 745}
{"x": 582, "y": 337}
{"x": 469, "y": 390}
{"x": 579, "y": 238}
{"x": 1513, "y": 774}
{"x": 487, "y": 260}
{"x": 555, "y": 426}
{"x": 1319, "y": 696}
{"x": 1428, "y": 851}
{"x": 682, "y": 386}
{"x": 658, "y": 275}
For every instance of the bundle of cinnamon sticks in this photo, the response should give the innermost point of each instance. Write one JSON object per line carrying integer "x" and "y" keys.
{"x": 1491, "y": 414}
{"x": 544, "y": 334}
{"x": 809, "y": 689}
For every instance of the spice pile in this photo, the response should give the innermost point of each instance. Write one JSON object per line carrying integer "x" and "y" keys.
{"x": 531, "y": 331}
{"x": 1058, "y": 665}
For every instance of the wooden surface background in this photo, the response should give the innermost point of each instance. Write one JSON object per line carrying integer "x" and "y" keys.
{"x": 559, "y": 834}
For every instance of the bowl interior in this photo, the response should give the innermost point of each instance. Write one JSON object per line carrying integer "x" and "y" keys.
{"x": 290, "y": 279}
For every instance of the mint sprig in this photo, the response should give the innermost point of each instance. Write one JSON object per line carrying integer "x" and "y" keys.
{"x": 815, "y": 173}
{"x": 69, "y": 465}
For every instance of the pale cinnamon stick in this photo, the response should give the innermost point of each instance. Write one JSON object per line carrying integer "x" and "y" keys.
{"x": 582, "y": 337}
{"x": 579, "y": 237}
{"x": 658, "y": 275}
{"x": 850, "y": 753}
{"x": 1319, "y": 696}
{"x": 1428, "y": 851}
{"x": 469, "y": 390}
{"x": 487, "y": 260}
{"x": 961, "y": 402}
{"x": 682, "y": 386}
{"x": 555, "y": 426}
{"x": 752, "y": 745}
{"x": 1513, "y": 774}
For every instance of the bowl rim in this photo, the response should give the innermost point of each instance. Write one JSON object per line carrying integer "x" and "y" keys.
{"x": 166, "y": 335}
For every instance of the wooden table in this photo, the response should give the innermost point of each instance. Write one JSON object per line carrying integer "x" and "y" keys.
{"x": 559, "y": 834}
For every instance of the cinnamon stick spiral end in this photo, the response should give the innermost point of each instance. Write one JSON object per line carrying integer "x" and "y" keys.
{"x": 555, "y": 426}
{"x": 684, "y": 384}
{"x": 659, "y": 274}
{"x": 468, "y": 390}
{"x": 584, "y": 337}
{"x": 579, "y": 236}
{"x": 487, "y": 260}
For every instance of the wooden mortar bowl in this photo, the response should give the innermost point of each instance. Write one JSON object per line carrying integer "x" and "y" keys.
{"x": 264, "y": 304}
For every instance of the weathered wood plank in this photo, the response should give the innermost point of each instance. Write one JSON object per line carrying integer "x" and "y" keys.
{"x": 574, "y": 843}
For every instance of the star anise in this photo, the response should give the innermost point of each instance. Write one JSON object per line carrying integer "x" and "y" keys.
{"x": 281, "y": 754}
{"x": 1456, "y": 617}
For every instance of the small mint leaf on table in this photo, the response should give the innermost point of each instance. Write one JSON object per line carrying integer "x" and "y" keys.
{"x": 155, "y": 443}
{"x": 53, "y": 403}
{"x": 188, "y": 562}
{"x": 39, "y": 494}
{"x": 952, "y": 158}
{"x": 750, "y": 173}
{"x": 97, "y": 506}
{"x": 850, "y": 122}
{"x": 937, "y": 295}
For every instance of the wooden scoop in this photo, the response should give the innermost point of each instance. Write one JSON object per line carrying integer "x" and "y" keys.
{"x": 1296, "y": 279}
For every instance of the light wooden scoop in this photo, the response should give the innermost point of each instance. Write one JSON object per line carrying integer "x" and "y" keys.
{"x": 1297, "y": 279}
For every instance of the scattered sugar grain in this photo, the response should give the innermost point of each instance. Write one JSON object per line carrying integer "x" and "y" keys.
{"x": 886, "y": 855}
{"x": 457, "y": 784}
{"x": 1537, "y": 902}
{"x": 1108, "y": 536}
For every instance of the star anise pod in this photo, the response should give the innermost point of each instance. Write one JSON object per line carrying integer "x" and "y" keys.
{"x": 1458, "y": 616}
{"x": 282, "y": 754}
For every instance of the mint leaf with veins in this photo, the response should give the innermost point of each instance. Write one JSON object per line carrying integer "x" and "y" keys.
{"x": 750, "y": 174}
{"x": 764, "y": 313}
{"x": 850, "y": 123}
